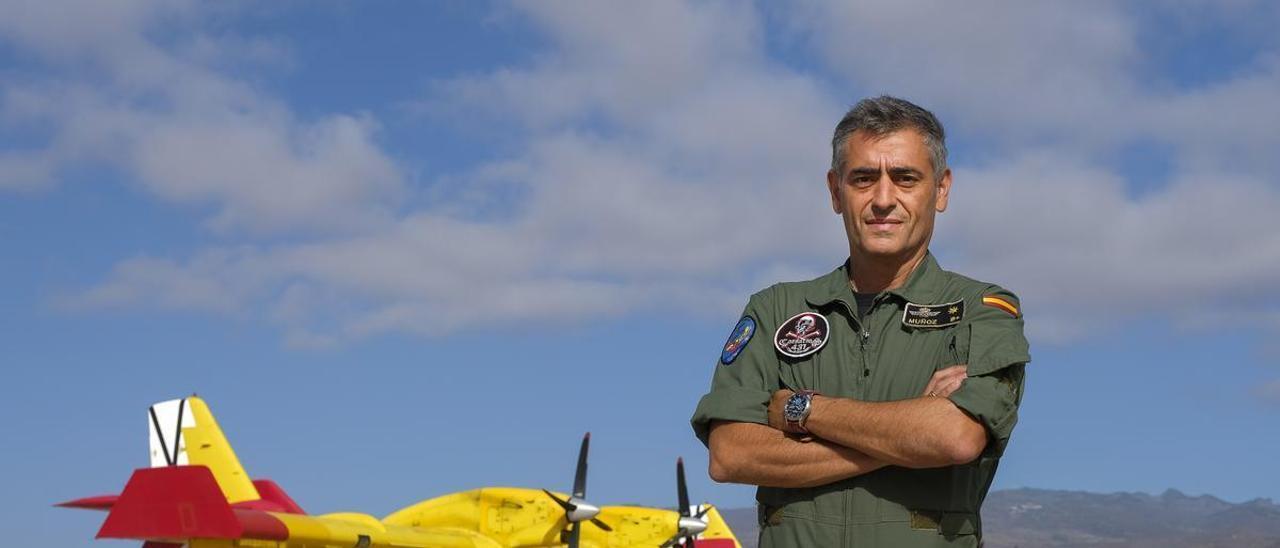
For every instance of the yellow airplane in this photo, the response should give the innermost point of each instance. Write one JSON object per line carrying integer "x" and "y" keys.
{"x": 197, "y": 495}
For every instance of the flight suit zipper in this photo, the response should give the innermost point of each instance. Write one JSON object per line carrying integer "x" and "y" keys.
{"x": 863, "y": 375}
{"x": 859, "y": 374}
{"x": 863, "y": 340}
{"x": 850, "y": 313}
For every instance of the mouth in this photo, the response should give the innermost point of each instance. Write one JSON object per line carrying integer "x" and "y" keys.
{"x": 883, "y": 224}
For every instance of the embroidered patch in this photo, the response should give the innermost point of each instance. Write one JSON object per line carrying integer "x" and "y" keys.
{"x": 1002, "y": 304}
{"x": 738, "y": 339}
{"x": 803, "y": 334}
{"x": 933, "y": 315}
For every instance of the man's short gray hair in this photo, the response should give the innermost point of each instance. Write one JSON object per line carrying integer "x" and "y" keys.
{"x": 883, "y": 115}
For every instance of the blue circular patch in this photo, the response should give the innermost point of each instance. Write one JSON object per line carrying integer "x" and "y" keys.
{"x": 738, "y": 339}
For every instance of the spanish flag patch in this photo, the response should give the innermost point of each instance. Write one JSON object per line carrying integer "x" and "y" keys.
{"x": 997, "y": 302}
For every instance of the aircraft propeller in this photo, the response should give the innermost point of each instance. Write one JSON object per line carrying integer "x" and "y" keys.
{"x": 576, "y": 508}
{"x": 689, "y": 524}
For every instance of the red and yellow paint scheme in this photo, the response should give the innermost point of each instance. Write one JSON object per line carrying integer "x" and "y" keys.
{"x": 197, "y": 495}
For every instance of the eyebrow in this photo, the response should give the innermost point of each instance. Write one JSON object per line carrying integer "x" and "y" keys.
{"x": 893, "y": 171}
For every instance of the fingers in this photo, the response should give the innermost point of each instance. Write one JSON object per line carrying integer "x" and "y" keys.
{"x": 945, "y": 381}
{"x": 932, "y": 387}
{"x": 946, "y": 388}
{"x": 937, "y": 379}
{"x": 933, "y": 382}
{"x": 776, "y": 405}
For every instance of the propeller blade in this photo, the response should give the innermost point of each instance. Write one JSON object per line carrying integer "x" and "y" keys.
{"x": 580, "y": 475}
{"x": 682, "y": 492}
{"x": 602, "y": 525}
{"x": 568, "y": 506}
{"x": 575, "y": 536}
{"x": 673, "y": 541}
{"x": 682, "y": 495}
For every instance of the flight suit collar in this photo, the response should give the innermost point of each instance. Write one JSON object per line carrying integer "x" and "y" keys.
{"x": 921, "y": 285}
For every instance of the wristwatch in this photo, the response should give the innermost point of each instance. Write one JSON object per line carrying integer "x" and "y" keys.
{"x": 796, "y": 411}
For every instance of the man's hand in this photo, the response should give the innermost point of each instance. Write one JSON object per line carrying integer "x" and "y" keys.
{"x": 944, "y": 381}
{"x": 776, "y": 404}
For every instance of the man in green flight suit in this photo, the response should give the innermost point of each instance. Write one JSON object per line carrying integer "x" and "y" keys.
{"x": 871, "y": 405}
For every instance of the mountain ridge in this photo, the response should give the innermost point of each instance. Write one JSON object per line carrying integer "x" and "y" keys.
{"x": 1032, "y": 517}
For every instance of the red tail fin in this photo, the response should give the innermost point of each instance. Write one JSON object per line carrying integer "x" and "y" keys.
{"x": 175, "y": 502}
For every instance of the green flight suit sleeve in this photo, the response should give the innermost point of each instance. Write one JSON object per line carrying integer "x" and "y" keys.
{"x": 740, "y": 390}
{"x": 997, "y": 354}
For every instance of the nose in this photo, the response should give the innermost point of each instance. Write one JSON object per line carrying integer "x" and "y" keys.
{"x": 882, "y": 200}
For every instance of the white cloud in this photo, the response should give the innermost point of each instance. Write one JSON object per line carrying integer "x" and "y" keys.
{"x": 25, "y": 170}
{"x": 269, "y": 175}
{"x": 221, "y": 281}
{"x": 111, "y": 95}
{"x": 1007, "y": 71}
{"x": 624, "y": 61}
{"x": 1070, "y": 75}
{"x": 1227, "y": 125}
{"x": 76, "y": 29}
{"x": 1269, "y": 392}
{"x": 1071, "y": 242}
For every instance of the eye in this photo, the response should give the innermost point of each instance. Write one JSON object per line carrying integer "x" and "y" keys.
{"x": 862, "y": 181}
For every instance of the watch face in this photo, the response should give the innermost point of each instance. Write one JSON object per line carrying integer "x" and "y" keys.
{"x": 795, "y": 408}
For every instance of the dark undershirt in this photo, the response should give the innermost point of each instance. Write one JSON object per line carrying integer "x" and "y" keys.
{"x": 864, "y": 302}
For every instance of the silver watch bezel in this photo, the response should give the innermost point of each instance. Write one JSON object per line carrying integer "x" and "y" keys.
{"x": 804, "y": 413}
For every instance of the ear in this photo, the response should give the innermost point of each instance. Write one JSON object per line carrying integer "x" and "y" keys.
{"x": 833, "y": 186}
{"x": 944, "y": 191}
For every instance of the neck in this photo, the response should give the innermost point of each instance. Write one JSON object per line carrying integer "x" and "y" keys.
{"x": 873, "y": 274}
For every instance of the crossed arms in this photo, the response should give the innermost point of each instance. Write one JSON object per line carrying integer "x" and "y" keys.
{"x": 848, "y": 438}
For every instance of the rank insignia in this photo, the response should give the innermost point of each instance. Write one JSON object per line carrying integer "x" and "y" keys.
{"x": 802, "y": 334}
{"x": 933, "y": 315}
{"x": 738, "y": 339}
{"x": 1002, "y": 304}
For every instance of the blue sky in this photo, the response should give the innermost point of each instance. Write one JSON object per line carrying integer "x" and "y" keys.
{"x": 404, "y": 249}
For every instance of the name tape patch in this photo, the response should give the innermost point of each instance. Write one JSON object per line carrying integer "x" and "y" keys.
{"x": 738, "y": 339}
{"x": 933, "y": 315}
{"x": 802, "y": 335}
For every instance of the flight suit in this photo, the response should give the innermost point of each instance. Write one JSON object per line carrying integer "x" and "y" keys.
{"x": 880, "y": 358}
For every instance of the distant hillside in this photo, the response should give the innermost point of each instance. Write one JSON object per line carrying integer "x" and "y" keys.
{"x": 1038, "y": 517}
{"x": 1026, "y": 518}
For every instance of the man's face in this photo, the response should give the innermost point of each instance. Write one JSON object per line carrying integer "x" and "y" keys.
{"x": 887, "y": 194}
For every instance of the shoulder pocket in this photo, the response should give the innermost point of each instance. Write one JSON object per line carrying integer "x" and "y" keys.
{"x": 995, "y": 345}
